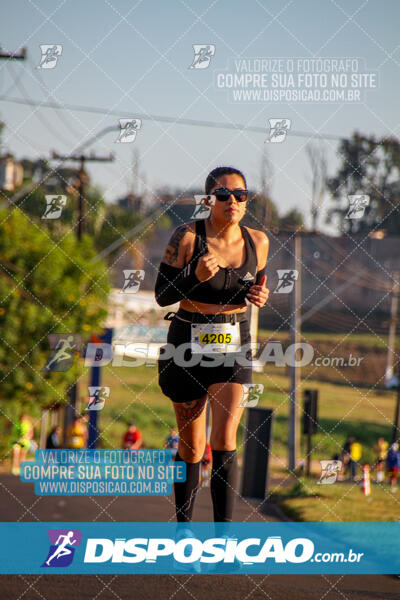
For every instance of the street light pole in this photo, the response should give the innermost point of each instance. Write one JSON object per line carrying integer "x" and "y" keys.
{"x": 293, "y": 445}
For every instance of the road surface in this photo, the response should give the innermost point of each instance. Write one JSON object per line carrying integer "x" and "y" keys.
{"x": 19, "y": 503}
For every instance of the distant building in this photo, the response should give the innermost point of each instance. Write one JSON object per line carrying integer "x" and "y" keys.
{"x": 132, "y": 203}
{"x": 11, "y": 173}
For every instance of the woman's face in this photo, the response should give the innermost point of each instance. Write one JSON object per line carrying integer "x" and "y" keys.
{"x": 231, "y": 210}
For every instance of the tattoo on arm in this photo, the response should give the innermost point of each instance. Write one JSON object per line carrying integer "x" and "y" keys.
{"x": 171, "y": 253}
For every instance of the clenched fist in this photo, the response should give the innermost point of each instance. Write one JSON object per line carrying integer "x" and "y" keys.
{"x": 206, "y": 267}
{"x": 258, "y": 294}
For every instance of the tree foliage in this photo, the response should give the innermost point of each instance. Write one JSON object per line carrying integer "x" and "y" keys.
{"x": 47, "y": 285}
{"x": 368, "y": 166}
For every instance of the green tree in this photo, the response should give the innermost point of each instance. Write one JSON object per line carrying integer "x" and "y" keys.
{"x": 292, "y": 220}
{"x": 47, "y": 286}
{"x": 368, "y": 166}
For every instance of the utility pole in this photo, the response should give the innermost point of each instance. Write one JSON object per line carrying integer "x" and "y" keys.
{"x": 83, "y": 179}
{"x": 12, "y": 55}
{"x": 293, "y": 445}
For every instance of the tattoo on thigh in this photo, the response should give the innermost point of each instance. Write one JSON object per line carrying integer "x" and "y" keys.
{"x": 171, "y": 253}
{"x": 190, "y": 410}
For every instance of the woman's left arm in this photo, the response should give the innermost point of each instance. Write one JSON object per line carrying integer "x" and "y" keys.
{"x": 258, "y": 293}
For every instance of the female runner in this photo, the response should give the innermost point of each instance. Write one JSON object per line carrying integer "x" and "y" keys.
{"x": 211, "y": 266}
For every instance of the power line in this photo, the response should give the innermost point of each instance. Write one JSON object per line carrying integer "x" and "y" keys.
{"x": 164, "y": 119}
{"x": 37, "y": 74}
{"x": 13, "y": 55}
{"x": 39, "y": 116}
{"x": 18, "y": 83}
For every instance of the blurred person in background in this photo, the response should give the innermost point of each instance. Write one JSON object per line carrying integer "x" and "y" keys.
{"x": 346, "y": 455}
{"x": 205, "y": 466}
{"x": 172, "y": 442}
{"x": 23, "y": 433}
{"x": 132, "y": 439}
{"x": 77, "y": 434}
{"x": 392, "y": 465}
{"x": 53, "y": 441}
{"x": 355, "y": 457}
{"x": 381, "y": 450}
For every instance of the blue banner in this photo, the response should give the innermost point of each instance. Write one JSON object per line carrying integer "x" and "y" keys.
{"x": 144, "y": 472}
{"x": 207, "y": 548}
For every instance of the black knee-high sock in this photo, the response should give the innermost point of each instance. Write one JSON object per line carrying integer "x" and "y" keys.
{"x": 185, "y": 491}
{"x": 223, "y": 483}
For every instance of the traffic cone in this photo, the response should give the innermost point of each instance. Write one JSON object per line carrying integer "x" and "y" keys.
{"x": 366, "y": 481}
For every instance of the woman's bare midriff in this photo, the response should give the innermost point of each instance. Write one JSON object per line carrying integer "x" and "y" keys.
{"x": 211, "y": 309}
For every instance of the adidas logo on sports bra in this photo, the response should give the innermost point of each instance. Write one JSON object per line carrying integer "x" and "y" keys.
{"x": 248, "y": 277}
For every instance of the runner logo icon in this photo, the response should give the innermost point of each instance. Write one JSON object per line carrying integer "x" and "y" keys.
{"x": 62, "y": 547}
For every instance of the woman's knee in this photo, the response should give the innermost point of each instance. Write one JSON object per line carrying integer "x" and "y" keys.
{"x": 191, "y": 450}
{"x": 223, "y": 440}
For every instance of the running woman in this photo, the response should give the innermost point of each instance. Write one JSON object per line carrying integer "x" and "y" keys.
{"x": 211, "y": 266}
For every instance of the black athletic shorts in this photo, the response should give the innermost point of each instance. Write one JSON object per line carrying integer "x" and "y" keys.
{"x": 183, "y": 382}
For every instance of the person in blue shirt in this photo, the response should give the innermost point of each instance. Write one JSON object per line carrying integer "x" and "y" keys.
{"x": 392, "y": 465}
{"x": 172, "y": 442}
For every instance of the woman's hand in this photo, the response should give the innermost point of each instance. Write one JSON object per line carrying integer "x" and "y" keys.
{"x": 258, "y": 294}
{"x": 206, "y": 267}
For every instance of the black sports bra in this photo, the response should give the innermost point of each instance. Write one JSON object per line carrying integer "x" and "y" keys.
{"x": 229, "y": 285}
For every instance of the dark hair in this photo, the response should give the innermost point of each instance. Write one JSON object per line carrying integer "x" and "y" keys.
{"x": 215, "y": 174}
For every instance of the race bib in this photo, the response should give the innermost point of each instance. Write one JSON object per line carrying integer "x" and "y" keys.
{"x": 211, "y": 338}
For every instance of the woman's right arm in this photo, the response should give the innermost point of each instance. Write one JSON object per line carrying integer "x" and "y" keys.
{"x": 175, "y": 278}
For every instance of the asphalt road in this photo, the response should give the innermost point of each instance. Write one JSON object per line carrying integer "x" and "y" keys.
{"x": 18, "y": 503}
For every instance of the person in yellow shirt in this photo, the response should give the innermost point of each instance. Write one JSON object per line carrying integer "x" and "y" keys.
{"x": 23, "y": 437}
{"x": 77, "y": 434}
{"x": 355, "y": 456}
{"x": 381, "y": 449}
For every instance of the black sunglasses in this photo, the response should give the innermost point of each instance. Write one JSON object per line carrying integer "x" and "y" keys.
{"x": 223, "y": 194}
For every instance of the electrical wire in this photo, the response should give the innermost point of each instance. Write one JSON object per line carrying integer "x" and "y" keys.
{"x": 164, "y": 119}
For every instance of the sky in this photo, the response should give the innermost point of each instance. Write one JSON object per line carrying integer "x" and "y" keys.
{"x": 133, "y": 58}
